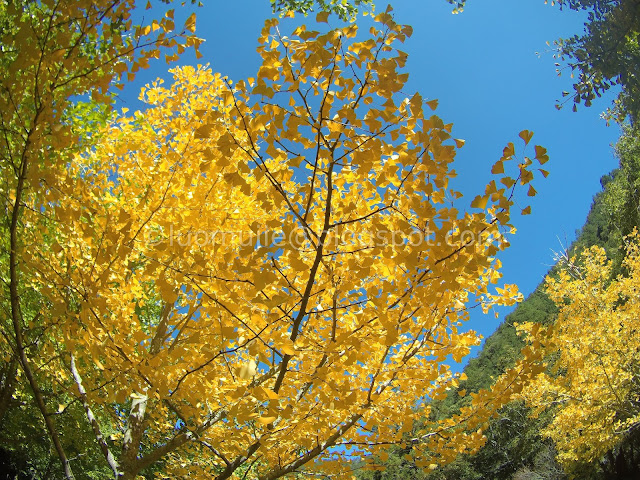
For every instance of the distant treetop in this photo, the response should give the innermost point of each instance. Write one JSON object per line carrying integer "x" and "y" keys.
{"x": 345, "y": 9}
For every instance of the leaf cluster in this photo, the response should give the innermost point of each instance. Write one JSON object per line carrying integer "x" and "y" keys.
{"x": 246, "y": 277}
{"x": 605, "y": 55}
{"x": 345, "y": 9}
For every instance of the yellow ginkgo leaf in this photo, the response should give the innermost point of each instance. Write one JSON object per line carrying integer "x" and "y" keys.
{"x": 497, "y": 168}
{"x": 266, "y": 420}
{"x": 480, "y": 202}
{"x": 248, "y": 370}
{"x": 526, "y": 135}
{"x": 286, "y": 346}
{"x": 322, "y": 17}
{"x": 433, "y": 104}
{"x": 271, "y": 394}
{"x": 190, "y": 24}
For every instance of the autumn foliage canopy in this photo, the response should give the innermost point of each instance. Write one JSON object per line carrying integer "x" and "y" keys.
{"x": 250, "y": 277}
{"x": 591, "y": 383}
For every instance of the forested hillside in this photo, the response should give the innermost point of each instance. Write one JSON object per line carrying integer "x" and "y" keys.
{"x": 515, "y": 448}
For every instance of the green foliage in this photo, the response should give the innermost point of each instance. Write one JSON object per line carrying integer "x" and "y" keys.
{"x": 622, "y": 194}
{"x": 513, "y": 445}
{"x": 607, "y": 54}
{"x": 502, "y": 349}
{"x": 28, "y": 449}
{"x": 543, "y": 467}
{"x": 458, "y": 5}
{"x": 599, "y": 229}
{"x": 397, "y": 467}
{"x": 345, "y": 9}
{"x": 615, "y": 211}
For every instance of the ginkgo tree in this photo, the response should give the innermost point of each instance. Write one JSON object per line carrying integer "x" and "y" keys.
{"x": 592, "y": 381}
{"x": 55, "y": 53}
{"x": 248, "y": 279}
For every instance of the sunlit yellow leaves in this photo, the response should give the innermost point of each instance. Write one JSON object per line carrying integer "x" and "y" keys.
{"x": 295, "y": 267}
{"x": 266, "y": 420}
{"x": 190, "y": 23}
{"x": 167, "y": 291}
{"x": 247, "y": 370}
{"x": 271, "y": 395}
{"x": 592, "y": 353}
{"x": 286, "y": 346}
{"x": 60, "y": 60}
{"x": 480, "y": 202}
{"x": 507, "y": 181}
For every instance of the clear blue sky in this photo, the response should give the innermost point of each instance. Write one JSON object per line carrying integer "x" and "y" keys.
{"x": 483, "y": 68}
